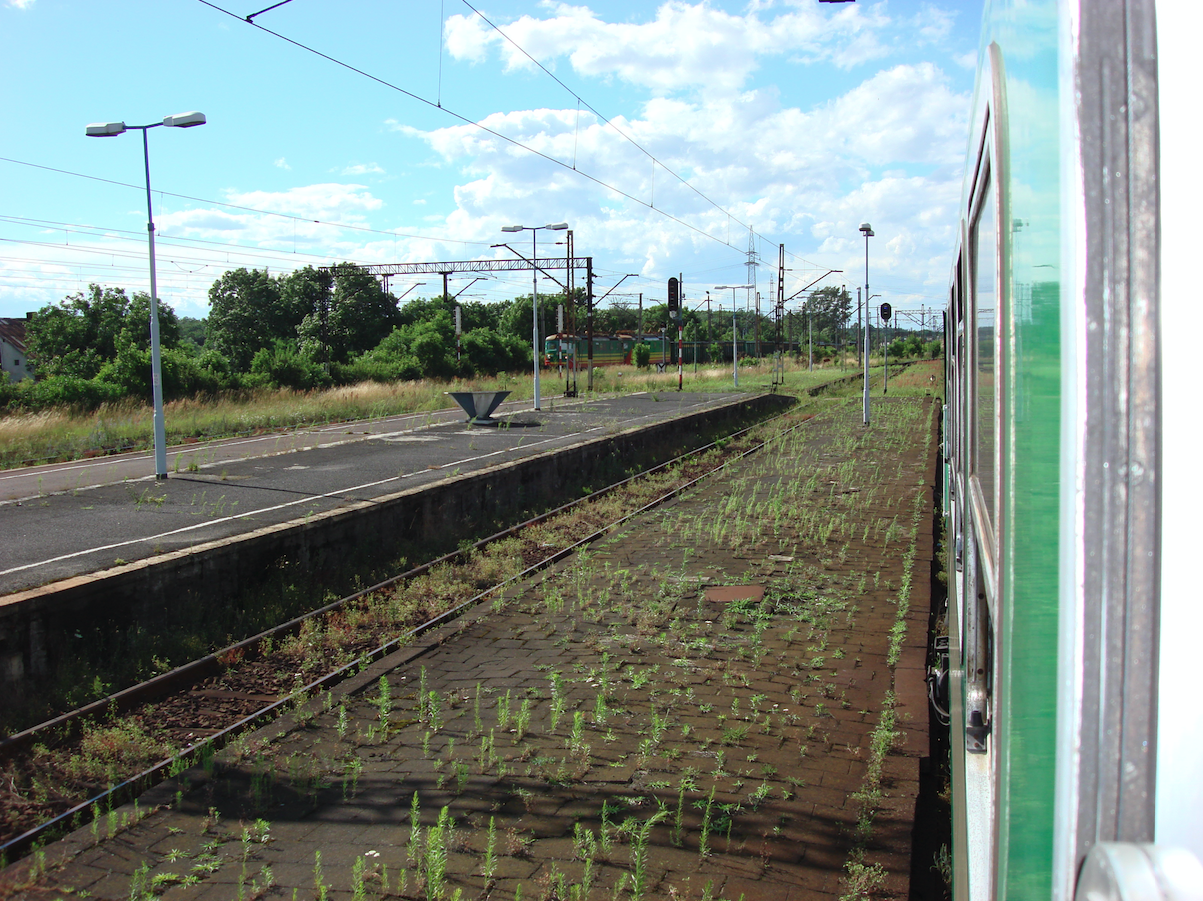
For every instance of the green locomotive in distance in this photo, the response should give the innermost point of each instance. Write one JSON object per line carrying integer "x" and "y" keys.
{"x": 561, "y": 349}
{"x": 608, "y": 350}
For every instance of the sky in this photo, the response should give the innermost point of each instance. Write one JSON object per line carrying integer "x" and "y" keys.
{"x": 666, "y": 135}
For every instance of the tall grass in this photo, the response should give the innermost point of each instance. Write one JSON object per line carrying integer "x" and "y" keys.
{"x": 28, "y": 439}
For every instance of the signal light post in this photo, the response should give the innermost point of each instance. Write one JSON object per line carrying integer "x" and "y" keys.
{"x": 886, "y": 310}
{"x": 674, "y": 312}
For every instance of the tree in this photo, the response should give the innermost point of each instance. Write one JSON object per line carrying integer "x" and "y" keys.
{"x": 246, "y": 315}
{"x": 829, "y": 309}
{"x": 84, "y": 331}
{"x": 515, "y": 319}
{"x": 193, "y": 330}
{"x": 358, "y": 316}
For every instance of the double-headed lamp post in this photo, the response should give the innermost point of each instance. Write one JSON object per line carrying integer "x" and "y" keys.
{"x": 534, "y": 259}
{"x": 867, "y": 230}
{"x": 111, "y": 130}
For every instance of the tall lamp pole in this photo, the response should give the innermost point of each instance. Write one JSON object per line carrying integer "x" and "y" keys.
{"x": 111, "y": 130}
{"x": 534, "y": 230}
{"x": 867, "y": 230}
{"x": 734, "y": 334}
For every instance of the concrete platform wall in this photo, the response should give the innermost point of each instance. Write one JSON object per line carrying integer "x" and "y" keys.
{"x": 36, "y": 626}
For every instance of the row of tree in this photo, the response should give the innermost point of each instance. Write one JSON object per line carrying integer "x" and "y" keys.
{"x": 317, "y": 327}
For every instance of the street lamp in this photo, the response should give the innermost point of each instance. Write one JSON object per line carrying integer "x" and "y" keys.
{"x": 534, "y": 229}
{"x": 867, "y": 230}
{"x": 111, "y": 130}
{"x": 734, "y": 333}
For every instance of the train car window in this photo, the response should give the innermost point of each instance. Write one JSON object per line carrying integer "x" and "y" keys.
{"x": 984, "y": 242}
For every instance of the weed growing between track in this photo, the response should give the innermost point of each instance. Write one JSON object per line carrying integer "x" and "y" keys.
{"x": 64, "y": 771}
{"x": 612, "y": 731}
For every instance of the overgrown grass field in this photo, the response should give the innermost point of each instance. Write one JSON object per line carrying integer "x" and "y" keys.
{"x": 28, "y": 439}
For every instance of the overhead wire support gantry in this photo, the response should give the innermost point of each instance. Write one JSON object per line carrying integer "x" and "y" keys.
{"x": 438, "y": 268}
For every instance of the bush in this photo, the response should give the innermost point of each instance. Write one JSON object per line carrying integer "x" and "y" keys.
{"x": 642, "y": 355}
{"x": 65, "y": 391}
{"x": 372, "y": 368}
{"x": 281, "y": 366}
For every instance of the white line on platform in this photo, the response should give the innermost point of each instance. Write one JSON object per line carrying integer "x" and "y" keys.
{"x": 248, "y": 513}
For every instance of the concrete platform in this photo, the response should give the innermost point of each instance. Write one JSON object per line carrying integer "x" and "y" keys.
{"x": 232, "y": 488}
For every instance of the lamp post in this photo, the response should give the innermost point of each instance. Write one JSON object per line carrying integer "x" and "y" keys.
{"x": 734, "y": 336}
{"x": 534, "y": 237}
{"x": 111, "y": 130}
{"x": 867, "y": 230}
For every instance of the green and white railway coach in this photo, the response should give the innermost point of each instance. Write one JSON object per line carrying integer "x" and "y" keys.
{"x": 1073, "y": 483}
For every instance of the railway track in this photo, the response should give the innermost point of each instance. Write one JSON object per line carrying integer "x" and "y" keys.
{"x": 194, "y": 710}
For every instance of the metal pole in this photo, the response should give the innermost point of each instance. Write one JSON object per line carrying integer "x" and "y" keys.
{"x": 866, "y": 356}
{"x": 570, "y": 324}
{"x": 734, "y": 341}
{"x": 757, "y": 327}
{"x": 859, "y": 322}
{"x": 156, "y": 362}
{"x": 885, "y": 389}
{"x": 589, "y": 313}
{"x": 534, "y": 272}
{"x": 681, "y": 332}
{"x": 680, "y": 356}
{"x": 810, "y": 340}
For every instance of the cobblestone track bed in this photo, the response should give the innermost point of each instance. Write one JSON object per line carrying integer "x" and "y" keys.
{"x": 706, "y": 709}
{"x": 229, "y": 691}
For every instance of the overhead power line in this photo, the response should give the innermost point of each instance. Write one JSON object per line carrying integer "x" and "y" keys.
{"x": 248, "y": 209}
{"x": 472, "y": 122}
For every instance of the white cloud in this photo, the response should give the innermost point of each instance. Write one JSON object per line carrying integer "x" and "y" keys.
{"x": 685, "y": 46}
{"x": 20, "y": 4}
{"x": 363, "y": 169}
{"x": 333, "y": 202}
{"x": 934, "y": 24}
{"x": 281, "y": 163}
{"x": 808, "y": 175}
{"x": 310, "y": 224}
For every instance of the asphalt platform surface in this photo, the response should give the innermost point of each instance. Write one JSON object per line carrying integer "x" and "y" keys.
{"x": 79, "y": 518}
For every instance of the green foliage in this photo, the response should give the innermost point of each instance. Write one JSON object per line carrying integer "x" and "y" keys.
{"x": 352, "y": 319}
{"x": 247, "y": 314}
{"x": 830, "y": 309}
{"x": 282, "y": 366}
{"x": 81, "y": 333}
{"x": 643, "y": 356}
{"x": 63, "y": 391}
{"x": 193, "y": 330}
{"x": 488, "y": 351}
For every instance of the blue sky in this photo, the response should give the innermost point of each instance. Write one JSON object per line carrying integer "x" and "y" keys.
{"x": 798, "y": 118}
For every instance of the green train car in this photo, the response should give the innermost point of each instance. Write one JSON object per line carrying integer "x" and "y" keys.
{"x": 1071, "y": 503}
{"x": 558, "y": 350}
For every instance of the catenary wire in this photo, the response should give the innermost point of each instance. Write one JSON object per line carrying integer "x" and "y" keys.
{"x": 468, "y": 121}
